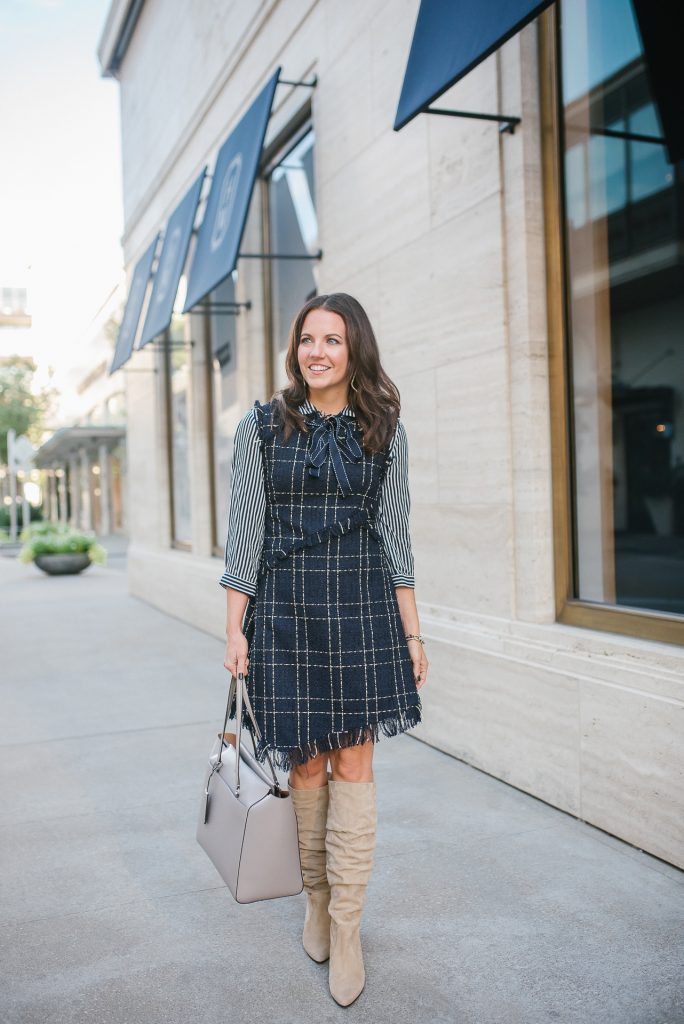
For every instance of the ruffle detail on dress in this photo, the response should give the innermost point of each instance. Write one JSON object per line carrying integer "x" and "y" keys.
{"x": 392, "y": 725}
{"x": 264, "y": 420}
{"x": 361, "y": 517}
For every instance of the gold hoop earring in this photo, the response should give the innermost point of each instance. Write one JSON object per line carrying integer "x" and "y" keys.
{"x": 351, "y": 383}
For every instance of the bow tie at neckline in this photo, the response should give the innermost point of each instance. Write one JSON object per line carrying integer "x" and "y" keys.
{"x": 332, "y": 433}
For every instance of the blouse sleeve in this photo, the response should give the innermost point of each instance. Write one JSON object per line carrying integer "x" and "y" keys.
{"x": 247, "y": 510}
{"x": 393, "y": 512}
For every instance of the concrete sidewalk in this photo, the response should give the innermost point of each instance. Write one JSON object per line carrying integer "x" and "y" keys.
{"x": 485, "y": 906}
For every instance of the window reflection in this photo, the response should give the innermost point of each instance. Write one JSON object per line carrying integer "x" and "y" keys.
{"x": 294, "y": 230}
{"x": 650, "y": 170}
{"x": 625, "y": 283}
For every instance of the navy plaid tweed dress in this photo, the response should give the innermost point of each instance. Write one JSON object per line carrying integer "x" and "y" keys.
{"x": 328, "y": 660}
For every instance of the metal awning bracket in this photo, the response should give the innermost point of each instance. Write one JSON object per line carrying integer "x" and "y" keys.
{"x": 506, "y": 123}
{"x": 223, "y": 305}
{"x": 223, "y": 308}
{"x": 169, "y": 344}
{"x": 281, "y": 255}
{"x": 308, "y": 85}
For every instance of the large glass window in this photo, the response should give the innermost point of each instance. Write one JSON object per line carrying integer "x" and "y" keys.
{"x": 178, "y": 366}
{"x": 293, "y": 229}
{"x": 624, "y": 218}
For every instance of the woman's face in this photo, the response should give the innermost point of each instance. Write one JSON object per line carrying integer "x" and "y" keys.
{"x": 323, "y": 351}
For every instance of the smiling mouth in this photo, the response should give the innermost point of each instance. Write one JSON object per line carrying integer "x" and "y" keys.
{"x": 318, "y": 369}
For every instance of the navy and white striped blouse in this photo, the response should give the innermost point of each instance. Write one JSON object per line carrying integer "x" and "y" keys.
{"x": 246, "y": 514}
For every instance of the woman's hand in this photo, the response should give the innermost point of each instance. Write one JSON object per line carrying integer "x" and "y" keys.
{"x": 419, "y": 661}
{"x": 406, "y": 598}
{"x": 236, "y": 658}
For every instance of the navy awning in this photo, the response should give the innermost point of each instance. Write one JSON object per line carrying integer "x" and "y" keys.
{"x": 171, "y": 262}
{"x": 237, "y": 163}
{"x": 452, "y": 37}
{"x": 134, "y": 305}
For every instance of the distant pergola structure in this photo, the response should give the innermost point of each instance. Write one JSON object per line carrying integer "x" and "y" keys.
{"x": 70, "y": 459}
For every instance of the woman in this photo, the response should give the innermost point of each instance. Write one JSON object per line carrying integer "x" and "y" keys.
{"x": 321, "y": 607}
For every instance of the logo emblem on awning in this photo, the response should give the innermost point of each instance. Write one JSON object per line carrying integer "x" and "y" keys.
{"x": 226, "y": 202}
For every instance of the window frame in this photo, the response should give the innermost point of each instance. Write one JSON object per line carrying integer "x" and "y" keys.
{"x": 643, "y": 624}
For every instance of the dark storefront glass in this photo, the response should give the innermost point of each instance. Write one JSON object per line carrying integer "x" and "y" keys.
{"x": 294, "y": 230}
{"x": 624, "y": 219}
{"x": 179, "y": 395}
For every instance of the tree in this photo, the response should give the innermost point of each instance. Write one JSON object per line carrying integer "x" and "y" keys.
{"x": 21, "y": 407}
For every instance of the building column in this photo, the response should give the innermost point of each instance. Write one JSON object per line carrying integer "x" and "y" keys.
{"x": 87, "y": 513}
{"x": 45, "y": 494}
{"x": 62, "y": 491}
{"x": 105, "y": 499}
{"x": 75, "y": 492}
{"x": 52, "y": 491}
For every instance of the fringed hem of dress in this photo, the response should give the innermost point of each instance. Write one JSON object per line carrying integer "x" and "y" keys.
{"x": 391, "y": 725}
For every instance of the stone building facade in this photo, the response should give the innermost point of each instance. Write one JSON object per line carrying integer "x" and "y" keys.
{"x": 546, "y": 551}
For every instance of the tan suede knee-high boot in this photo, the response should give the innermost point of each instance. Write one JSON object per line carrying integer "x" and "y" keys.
{"x": 311, "y": 811}
{"x": 349, "y": 843}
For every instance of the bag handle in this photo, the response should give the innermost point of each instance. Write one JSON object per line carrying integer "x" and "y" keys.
{"x": 241, "y": 695}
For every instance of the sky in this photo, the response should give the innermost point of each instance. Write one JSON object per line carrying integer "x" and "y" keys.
{"x": 61, "y": 216}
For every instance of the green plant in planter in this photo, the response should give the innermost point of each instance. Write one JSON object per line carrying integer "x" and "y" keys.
{"x": 37, "y": 529}
{"x": 58, "y": 539}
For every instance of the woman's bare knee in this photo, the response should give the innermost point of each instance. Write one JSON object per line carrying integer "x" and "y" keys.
{"x": 353, "y": 764}
{"x": 311, "y": 774}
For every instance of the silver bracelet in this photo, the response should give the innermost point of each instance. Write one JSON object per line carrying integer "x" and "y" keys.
{"x": 414, "y": 636}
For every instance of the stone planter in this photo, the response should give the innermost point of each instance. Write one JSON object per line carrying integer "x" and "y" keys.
{"x": 63, "y": 565}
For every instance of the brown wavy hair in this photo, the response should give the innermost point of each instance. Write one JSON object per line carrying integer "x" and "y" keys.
{"x": 374, "y": 398}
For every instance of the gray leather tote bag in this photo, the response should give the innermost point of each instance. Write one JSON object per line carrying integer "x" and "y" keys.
{"x": 247, "y": 823}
